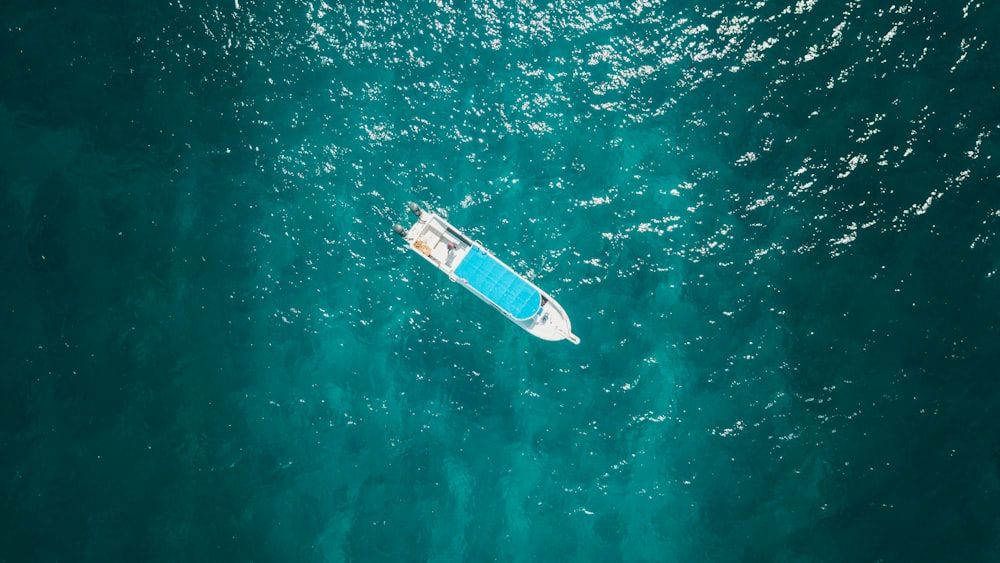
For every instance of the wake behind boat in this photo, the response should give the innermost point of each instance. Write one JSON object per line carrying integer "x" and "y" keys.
{"x": 470, "y": 265}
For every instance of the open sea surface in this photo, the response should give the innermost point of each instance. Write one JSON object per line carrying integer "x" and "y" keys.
{"x": 774, "y": 224}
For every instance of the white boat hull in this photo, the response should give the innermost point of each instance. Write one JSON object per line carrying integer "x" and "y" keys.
{"x": 469, "y": 264}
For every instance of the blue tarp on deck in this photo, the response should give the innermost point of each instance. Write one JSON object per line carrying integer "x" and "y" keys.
{"x": 503, "y": 287}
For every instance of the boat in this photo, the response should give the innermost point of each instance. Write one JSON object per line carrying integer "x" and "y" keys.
{"x": 469, "y": 264}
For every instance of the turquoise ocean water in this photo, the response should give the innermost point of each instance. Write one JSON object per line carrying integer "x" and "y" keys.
{"x": 774, "y": 224}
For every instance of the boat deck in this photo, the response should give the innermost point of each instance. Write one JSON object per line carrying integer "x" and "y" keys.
{"x": 499, "y": 284}
{"x": 441, "y": 244}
